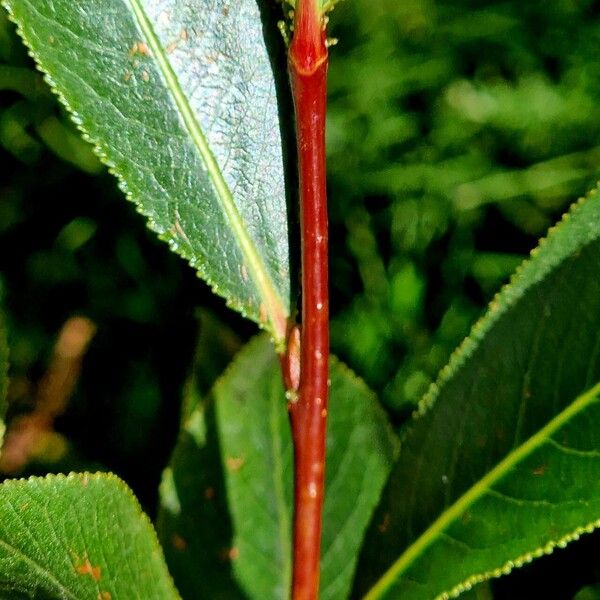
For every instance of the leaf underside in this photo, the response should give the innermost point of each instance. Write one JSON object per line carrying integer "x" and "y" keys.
{"x": 246, "y": 416}
{"x": 178, "y": 99}
{"x": 78, "y": 537}
{"x": 503, "y": 462}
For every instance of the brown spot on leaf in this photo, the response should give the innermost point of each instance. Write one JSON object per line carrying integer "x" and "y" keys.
{"x": 179, "y": 543}
{"x": 139, "y": 48}
{"x": 184, "y": 35}
{"x": 383, "y": 526}
{"x": 209, "y": 493}
{"x": 227, "y": 554}
{"x": 171, "y": 47}
{"x": 145, "y": 76}
{"x": 262, "y": 313}
{"x": 177, "y": 230}
{"x": 88, "y": 569}
{"x": 539, "y": 470}
{"x": 104, "y": 596}
{"x": 235, "y": 463}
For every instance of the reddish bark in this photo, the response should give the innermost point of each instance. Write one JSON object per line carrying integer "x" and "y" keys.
{"x": 308, "y": 61}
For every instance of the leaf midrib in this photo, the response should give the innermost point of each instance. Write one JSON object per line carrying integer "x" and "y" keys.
{"x": 274, "y": 306}
{"x": 478, "y": 490}
{"x": 44, "y": 573}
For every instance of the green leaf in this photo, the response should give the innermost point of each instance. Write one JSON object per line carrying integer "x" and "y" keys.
{"x": 502, "y": 463}
{"x": 193, "y": 524}
{"x": 591, "y": 592}
{"x": 78, "y": 537}
{"x": 481, "y": 591}
{"x": 246, "y": 417}
{"x": 179, "y": 100}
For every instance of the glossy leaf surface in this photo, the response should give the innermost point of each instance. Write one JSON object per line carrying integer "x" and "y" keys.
{"x": 246, "y": 416}
{"x": 503, "y": 462}
{"x": 178, "y": 98}
{"x": 76, "y": 537}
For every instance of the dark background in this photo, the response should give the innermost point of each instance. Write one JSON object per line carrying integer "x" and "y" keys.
{"x": 459, "y": 131}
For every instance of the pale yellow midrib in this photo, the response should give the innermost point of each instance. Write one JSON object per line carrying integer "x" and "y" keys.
{"x": 272, "y": 301}
{"x": 477, "y": 491}
{"x": 37, "y": 567}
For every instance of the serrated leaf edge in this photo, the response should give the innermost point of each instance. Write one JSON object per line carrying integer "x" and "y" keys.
{"x": 273, "y": 304}
{"x": 276, "y": 313}
{"x": 83, "y": 479}
{"x": 344, "y": 370}
{"x": 517, "y": 563}
{"x": 474, "y": 493}
{"x": 502, "y": 301}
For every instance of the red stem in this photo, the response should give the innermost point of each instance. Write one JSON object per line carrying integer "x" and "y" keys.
{"x": 308, "y": 61}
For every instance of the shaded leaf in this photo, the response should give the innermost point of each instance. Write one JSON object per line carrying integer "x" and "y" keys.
{"x": 81, "y": 536}
{"x": 502, "y": 463}
{"x": 193, "y": 524}
{"x": 217, "y": 346}
{"x": 246, "y": 415}
{"x": 590, "y": 592}
{"x": 481, "y": 591}
{"x": 179, "y": 101}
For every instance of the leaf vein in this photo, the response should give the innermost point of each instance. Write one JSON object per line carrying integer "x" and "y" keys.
{"x": 257, "y": 269}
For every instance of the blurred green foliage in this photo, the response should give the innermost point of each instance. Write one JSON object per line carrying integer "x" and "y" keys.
{"x": 69, "y": 245}
{"x": 459, "y": 131}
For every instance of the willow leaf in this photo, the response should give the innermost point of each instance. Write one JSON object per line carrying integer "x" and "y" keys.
{"x": 247, "y": 552}
{"x": 81, "y": 536}
{"x": 503, "y": 462}
{"x": 178, "y": 98}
